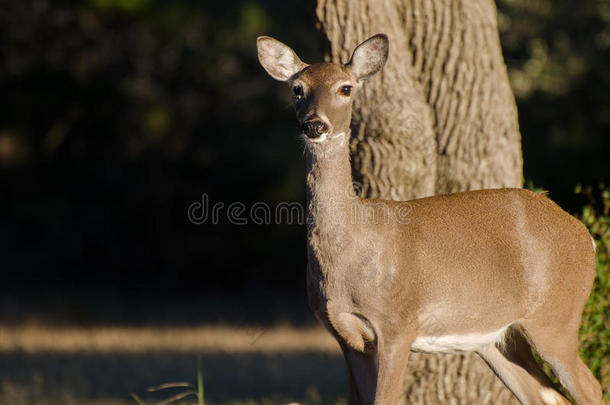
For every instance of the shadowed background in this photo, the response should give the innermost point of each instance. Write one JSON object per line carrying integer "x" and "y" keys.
{"x": 117, "y": 115}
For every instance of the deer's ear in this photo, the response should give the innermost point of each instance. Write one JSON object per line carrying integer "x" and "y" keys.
{"x": 370, "y": 56}
{"x": 279, "y": 60}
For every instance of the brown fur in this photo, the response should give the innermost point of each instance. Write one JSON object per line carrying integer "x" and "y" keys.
{"x": 383, "y": 273}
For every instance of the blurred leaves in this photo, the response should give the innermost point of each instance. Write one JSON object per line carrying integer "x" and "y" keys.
{"x": 116, "y": 115}
{"x": 558, "y": 57}
{"x": 128, "y": 6}
{"x": 253, "y": 19}
{"x": 544, "y": 43}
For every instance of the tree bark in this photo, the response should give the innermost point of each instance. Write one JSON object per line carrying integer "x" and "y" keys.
{"x": 441, "y": 117}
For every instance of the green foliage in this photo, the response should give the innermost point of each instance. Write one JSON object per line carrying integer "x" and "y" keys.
{"x": 529, "y": 184}
{"x": 126, "y": 6}
{"x": 558, "y": 62}
{"x": 595, "y": 328}
{"x": 124, "y": 112}
{"x": 253, "y": 19}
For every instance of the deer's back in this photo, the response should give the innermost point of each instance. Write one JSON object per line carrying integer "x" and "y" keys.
{"x": 459, "y": 250}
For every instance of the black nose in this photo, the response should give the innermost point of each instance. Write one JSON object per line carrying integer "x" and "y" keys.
{"x": 314, "y": 128}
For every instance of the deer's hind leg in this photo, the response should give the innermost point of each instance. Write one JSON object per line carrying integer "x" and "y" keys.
{"x": 557, "y": 344}
{"x": 553, "y": 331}
{"x": 513, "y": 362}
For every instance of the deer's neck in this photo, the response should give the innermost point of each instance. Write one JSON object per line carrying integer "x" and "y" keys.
{"x": 330, "y": 192}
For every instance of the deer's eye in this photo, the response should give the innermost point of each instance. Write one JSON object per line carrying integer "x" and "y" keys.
{"x": 298, "y": 92}
{"x": 345, "y": 91}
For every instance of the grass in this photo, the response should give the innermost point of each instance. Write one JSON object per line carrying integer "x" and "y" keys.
{"x": 43, "y": 365}
{"x": 185, "y": 390}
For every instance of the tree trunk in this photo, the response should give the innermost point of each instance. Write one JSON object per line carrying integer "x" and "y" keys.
{"x": 441, "y": 117}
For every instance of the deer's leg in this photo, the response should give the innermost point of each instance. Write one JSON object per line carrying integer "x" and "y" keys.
{"x": 362, "y": 370}
{"x": 392, "y": 364}
{"x": 515, "y": 365}
{"x": 557, "y": 344}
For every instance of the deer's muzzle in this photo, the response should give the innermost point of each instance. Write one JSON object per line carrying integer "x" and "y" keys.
{"x": 314, "y": 128}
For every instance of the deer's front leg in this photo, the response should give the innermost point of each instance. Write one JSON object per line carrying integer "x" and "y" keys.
{"x": 392, "y": 364}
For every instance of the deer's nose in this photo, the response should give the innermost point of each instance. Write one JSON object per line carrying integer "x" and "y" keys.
{"x": 314, "y": 128}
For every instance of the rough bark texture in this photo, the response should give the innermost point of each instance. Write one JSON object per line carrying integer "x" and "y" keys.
{"x": 441, "y": 117}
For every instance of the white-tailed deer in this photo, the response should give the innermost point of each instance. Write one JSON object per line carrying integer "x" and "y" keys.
{"x": 497, "y": 272}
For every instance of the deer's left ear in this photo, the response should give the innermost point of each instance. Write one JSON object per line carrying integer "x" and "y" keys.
{"x": 278, "y": 59}
{"x": 370, "y": 56}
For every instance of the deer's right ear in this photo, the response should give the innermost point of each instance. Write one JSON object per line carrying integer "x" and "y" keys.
{"x": 279, "y": 60}
{"x": 370, "y": 56}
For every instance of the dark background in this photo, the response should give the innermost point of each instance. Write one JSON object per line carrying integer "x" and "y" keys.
{"x": 117, "y": 115}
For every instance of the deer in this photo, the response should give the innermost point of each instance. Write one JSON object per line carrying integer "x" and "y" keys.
{"x": 498, "y": 272}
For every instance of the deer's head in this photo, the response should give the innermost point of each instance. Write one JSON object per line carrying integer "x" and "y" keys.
{"x": 323, "y": 92}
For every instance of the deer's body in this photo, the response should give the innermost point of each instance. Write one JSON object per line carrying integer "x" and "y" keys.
{"x": 497, "y": 272}
{"x": 448, "y": 262}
